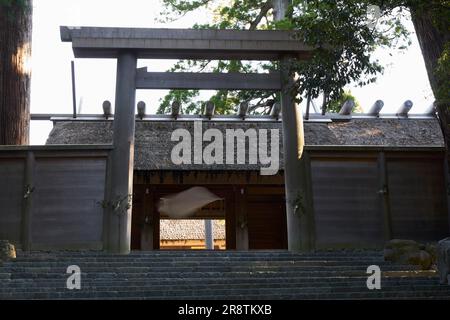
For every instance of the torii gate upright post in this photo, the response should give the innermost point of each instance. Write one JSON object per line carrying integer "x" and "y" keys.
{"x": 299, "y": 206}
{"x": 122, "y": 158}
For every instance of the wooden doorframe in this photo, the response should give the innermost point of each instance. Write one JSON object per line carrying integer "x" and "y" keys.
{"x": 151, "y": 194}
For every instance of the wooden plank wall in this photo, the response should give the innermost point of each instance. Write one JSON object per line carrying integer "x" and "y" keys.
{"x": 67, "y": 202}
{"x": 417, "y": 198}
{"x": 51, "y": 197}
{"x": 362, "y": 199}
{"x": 11, "y": 198}
{"x": 346, "y": 202}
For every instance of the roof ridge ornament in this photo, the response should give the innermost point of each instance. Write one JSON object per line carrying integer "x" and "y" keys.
{"x": 405, "y": 108}
{"x": 376, "y": 108}
{"x": 347, "y": 108}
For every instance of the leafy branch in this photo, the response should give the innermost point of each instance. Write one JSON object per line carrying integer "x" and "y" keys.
{"x": 341, "y": 25}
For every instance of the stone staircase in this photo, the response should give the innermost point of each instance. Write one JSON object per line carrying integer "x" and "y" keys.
{"x": 191, "y": 275}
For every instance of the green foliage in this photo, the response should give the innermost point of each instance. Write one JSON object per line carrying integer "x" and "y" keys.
{"x": 443, "y": 76}
{"x": 181, "y": 7}
{"x": 338, "y": 28}
{"x": 439, "y": 12}
{"x": 335, "y": 105}
{"x": 185, "y": 97}
{"x": 346, "y": 42}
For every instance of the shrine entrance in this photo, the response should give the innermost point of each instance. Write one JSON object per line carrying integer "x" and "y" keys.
{"x": 247, "y": 217}
{"x": 127, "y": 45}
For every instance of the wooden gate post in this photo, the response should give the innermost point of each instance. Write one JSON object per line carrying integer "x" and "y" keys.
{"x": 122, "y": 159}
{"x": 299, "y": 207}
{"x": 383, "y": 192}
{"x": 26, "y": 238}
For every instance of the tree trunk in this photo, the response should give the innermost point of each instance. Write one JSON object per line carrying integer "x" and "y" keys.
{"x": 432, "y": 40}
{"x": 15, "y": 52}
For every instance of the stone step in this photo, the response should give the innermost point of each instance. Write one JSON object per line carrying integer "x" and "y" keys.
{"x": 288, "y": 264}
{"x": 225, "y": 280}
{"x": 110, "y": 274}
{"x": 200, "y": 253}
{"x": 301, "y": 281}
{"x": 310, "y": 287}
{"x": 199, "y": 268}
{"x": 298, "y": 296}
{"x": 214, "y": 275}
{"x": 199, "y": 256}
{"x": 314, "y": 293}
{"x": 361, "y": 283}
{"x": 352, "y": 252}
{"x": 193, "y": 263}
{"x": 4, "y": 275}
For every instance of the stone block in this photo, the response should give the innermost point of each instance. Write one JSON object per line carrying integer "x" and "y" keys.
{"x": 408, "y": 252}
{"x": 7, "y": 251}
{"x": 443, "y": 255}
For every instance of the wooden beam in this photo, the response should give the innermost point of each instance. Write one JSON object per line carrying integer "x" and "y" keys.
{"x": 447, "y": 187}
{"x": 49, "y": 116}
{"x": 106, "y": 212}
{"x": 194, "y": 178}
{"x": 208, "y": 81}
{"x": 147, "y": 234}
{"x": 241, "y": 225}
{"x": 95, "y": 42}
{"x": 383, "y": 193}
{"x": 93, "y": 148}
{"x": 209, "y": 236}
{"x": 27, "y": 202}
{"x": 372, "y": 148}
{"x": 309, "y": 200}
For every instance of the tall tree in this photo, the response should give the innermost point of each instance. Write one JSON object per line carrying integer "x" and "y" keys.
{"x": 340, "y": 23}
{"x": 431, "y": 21}
{"x": 15, "y": 52}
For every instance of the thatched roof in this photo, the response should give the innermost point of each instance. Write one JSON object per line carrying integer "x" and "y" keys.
{"x": 189, "y": 229}
{"x": 153, "y": 138}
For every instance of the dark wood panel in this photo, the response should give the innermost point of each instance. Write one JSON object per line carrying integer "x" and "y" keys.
{"x": 137, "y": 220}
{"x": 67, "y": 200}
{"x": 206, "y": 178}
{"x": 11, "y": 198}
{"x": 417, "y": 199}
{"x": 346, "y": 203}
{"x": 266, "y": 219}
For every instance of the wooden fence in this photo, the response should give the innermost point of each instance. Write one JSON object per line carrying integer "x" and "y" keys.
{"x": 51, "y": 197}
{"x": 364, "y": 196}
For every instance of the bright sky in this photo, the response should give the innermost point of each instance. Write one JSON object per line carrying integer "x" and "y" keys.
{"x": 404, "y": 78}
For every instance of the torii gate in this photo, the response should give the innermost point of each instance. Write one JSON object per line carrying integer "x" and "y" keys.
{"x": 129, "y": 44}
